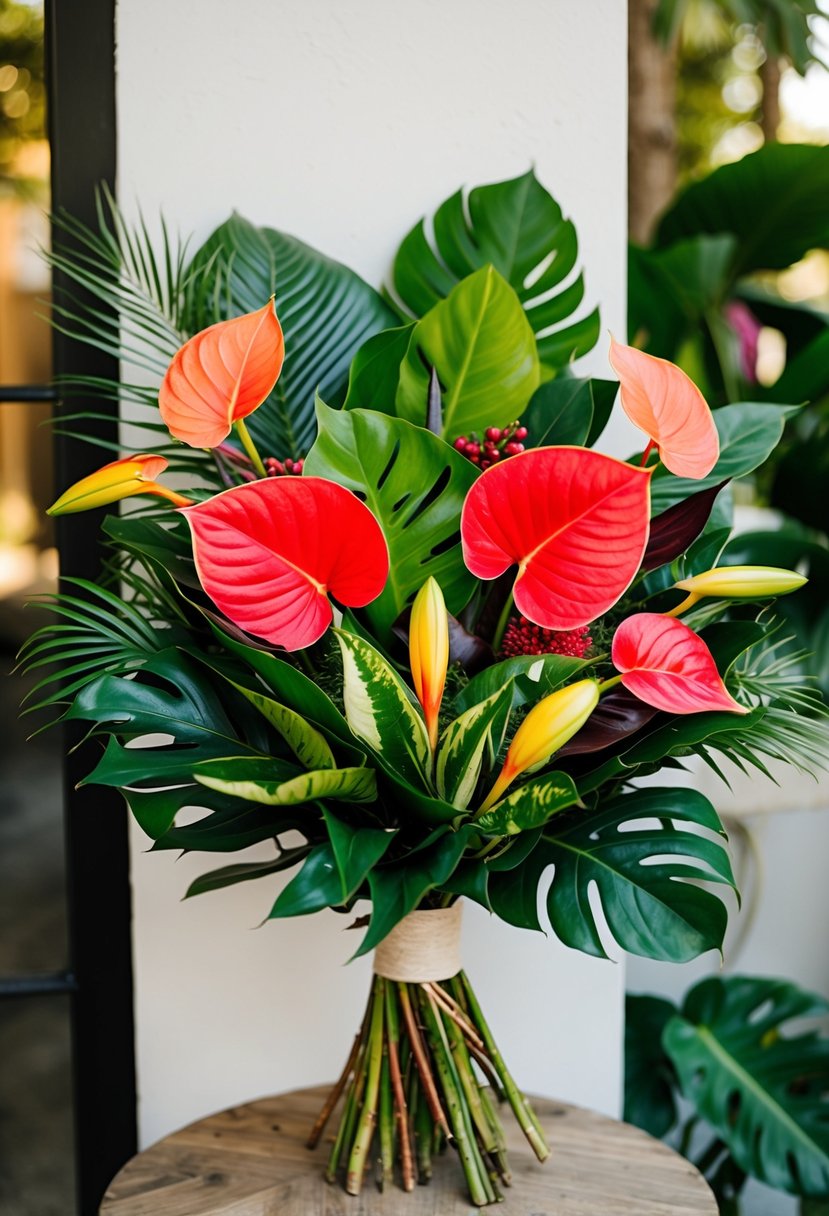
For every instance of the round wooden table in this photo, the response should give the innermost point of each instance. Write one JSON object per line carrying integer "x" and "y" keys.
{"x": 251, "y": 1161}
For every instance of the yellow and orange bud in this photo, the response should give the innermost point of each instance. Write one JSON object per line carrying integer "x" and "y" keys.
{"x": 547, "y": 727}
{"x": 120, "y": 479}
{"x": 743, "y": 582}
{"x": 429, "y": 652}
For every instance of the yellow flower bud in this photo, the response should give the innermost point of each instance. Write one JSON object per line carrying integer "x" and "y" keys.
{"x": 429, "y": 652}
{"x": 736, "y": 582}
{"x": 547, "y": 727}
{"x": 121, "y": 479}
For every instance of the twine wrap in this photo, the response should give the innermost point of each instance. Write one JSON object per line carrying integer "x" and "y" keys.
{"x": 424, "y": 946}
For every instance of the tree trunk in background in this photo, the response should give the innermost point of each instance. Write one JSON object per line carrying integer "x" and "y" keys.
{"x": 770, "y": 113}
{"x": 652, "y": 160}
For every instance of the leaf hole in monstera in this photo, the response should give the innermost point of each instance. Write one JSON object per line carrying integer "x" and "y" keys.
{"x": 401, "y": 502}
{"x": 760, "y": 1012}
{"x": 390, "y": 463}
{"x": 430, "y": 496}
{"x": 443, "y": 546}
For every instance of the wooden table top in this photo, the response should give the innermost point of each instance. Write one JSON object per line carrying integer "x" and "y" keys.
{"x": 251, "y": 1161}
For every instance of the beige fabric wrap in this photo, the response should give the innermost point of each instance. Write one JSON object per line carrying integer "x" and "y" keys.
{"x": 424, "y": 946}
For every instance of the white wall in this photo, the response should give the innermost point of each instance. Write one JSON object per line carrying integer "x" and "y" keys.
{"x": 343, "y": 121}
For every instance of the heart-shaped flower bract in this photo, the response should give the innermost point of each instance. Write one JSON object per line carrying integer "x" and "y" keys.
{"x": 575, "y": 523}
{"x": 220, "y": 376}
{"x": 663, "y": 402}
{"x": 667, "y": 665}
{"x": 269, "y": 553}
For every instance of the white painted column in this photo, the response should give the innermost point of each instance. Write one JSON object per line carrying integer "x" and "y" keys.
{"x": 343, "y": 121}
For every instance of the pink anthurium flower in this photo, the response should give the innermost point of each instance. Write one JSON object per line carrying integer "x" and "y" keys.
{"x": 575, "y": 523}
{"x": 429, "y": 652}
{"x": 269, "y": 553}
{"x": 667, "y": 665}
{"x": 220, "y": 376}
{"x": 663, "y": 402}
{"x": 120, "y": 479}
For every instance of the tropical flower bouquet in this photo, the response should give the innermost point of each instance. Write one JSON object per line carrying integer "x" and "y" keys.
{"x": 399, "y": 619}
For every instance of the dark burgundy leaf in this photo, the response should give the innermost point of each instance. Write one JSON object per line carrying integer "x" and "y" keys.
{"x": 675, "y": 529}
{"x": 615, "y": 717}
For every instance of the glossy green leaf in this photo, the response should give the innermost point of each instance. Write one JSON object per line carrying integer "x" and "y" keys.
{"x": 233, "y": 824}
{"x": 307, "y": 743}
{"x": 748, "y": 432}
{"x": 772, "y": 201}
{"x": 649, "y": 1077}
{"x": 155, "y": 811}
{"x": 326, "y": 311}
{"x": 517, "y": 227}
{"x": 645, "y": 876}
{"x": 530, "y": 806}
{"x": 357, "y": 850}
{"x": 477, "y": 733}
{"x": 756, "y": 1078}
{"x": 533, "y": 677}
{"x": 290, "y": 686}
{"x": 316, "y": 886}
{"x": 272, "y": 784}
{"x": 380, "y": 712}
{"x": 398, "y": 888}
{"x": 375, "y": 371}
{"x": 568, "y": 411}
{"x": 415, "y": 485}
{"x": 483, "y": 350}
{"x": 229, "y": 876}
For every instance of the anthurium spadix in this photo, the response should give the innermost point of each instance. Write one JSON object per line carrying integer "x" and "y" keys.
{"x": 667, "y": 665}
{"x": 220, "y": 376}
{"x": 120, "y": 479}
{"x": 575, "y": 523}
{"x": 546, "y": 728}
{"x": 738, "y": 582}
{"x": 663, "y": 402}
{"x": 269, "y": 553}
{"x": 429, "y": 652}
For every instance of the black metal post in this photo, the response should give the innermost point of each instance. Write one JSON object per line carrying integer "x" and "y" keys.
{"x": 81, "y": 82}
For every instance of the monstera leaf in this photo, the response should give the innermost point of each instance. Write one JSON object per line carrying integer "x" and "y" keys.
{"x": 641, "y": 871}
{"x": 518, "y": 228}
{"x": 483, "y": 352}
{"x": 758, "y": 1080}
{"x": 415, "y": 486}
{"x": 326, "y": 311}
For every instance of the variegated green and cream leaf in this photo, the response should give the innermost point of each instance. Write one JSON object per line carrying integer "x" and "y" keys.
{"x": 243, "y": 778}
{"x": 530, "y": 806}
{"x": 308, "y": 744}
{"x": 463, "y": 744}
{"x": 380, "y": 713}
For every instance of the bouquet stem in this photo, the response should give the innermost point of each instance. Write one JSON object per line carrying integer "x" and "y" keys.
{"x": 423, "y": 1073}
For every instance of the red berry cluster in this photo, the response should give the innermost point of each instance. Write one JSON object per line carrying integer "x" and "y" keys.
{"x": 498, "y": 443}
{"x": 283, "y": 468}
{"x": 523, "y": 637}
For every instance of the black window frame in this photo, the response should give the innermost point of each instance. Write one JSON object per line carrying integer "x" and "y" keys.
{"x": 80, "y": 82}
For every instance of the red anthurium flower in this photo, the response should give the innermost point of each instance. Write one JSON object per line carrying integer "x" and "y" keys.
{"x": 667, "y": 665}
{"x": 663, "y": 402}
{"x": 574, "y": 521}
{"x": 220, "y": 376}
{"x": 269, "y": 553}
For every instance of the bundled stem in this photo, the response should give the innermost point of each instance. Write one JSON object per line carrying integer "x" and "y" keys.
{"x": 423, "y": 1073}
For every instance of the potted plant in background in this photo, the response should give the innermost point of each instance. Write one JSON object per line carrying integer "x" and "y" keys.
{"x": 401, "y": 619}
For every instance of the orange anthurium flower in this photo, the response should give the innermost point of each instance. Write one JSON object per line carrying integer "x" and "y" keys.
{"x": 547, "y": 727}
{"x": 663, "y": 402}
{"x": 429, "y": 652}
{"x": 220, "y": 376}
{"x": 121, "y": 479}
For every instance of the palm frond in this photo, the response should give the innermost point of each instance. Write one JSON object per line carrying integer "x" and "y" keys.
{"x": 99, "y": 632}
